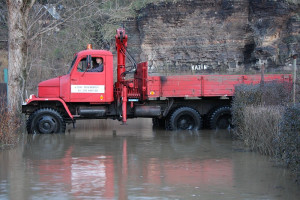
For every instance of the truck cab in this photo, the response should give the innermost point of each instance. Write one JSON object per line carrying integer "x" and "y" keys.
{"x": 81, "y": 85}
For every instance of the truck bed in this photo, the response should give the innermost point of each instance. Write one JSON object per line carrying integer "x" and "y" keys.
{"x": 204, "y": 85}
{"x": 196, "y": 85}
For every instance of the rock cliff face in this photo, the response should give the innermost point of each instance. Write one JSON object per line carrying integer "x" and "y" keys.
{"x": 215, "y": 35}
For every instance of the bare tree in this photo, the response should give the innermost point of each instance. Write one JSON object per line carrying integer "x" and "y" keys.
{"x": 24, "y": 29}
{"x": 53, "y": 40}
{"x": 39, "y": 46}
{"x": 18, "y": 11}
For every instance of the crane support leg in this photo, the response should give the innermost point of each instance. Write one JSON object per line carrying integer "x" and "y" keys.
{"x": 124, "y": 105}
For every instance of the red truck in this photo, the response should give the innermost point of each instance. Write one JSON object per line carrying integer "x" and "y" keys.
{"x": 175, "y": 102}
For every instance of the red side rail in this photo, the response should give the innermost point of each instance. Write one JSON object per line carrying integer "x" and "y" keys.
{"x": 204, "y": 85}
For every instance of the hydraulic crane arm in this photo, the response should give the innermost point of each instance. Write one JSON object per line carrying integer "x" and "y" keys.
{"x": 121, "y": 45}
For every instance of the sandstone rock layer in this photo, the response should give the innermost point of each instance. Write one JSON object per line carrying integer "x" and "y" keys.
{"x": 215, "y": 35}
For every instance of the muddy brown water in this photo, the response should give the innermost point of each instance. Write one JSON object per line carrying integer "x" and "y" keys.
{"x": 104, "y": 160}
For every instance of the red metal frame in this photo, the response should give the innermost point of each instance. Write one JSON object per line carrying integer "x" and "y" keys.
{"x": 34, "y": 98}
{"x": 204, "y": 85}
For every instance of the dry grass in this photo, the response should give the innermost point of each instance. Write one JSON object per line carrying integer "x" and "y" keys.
{"x": 260, "y": 126}
{"x": 9, "y": 125}
{"x": 272, "y": 94}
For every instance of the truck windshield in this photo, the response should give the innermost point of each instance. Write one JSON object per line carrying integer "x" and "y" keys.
{"x": 72, "y": 65}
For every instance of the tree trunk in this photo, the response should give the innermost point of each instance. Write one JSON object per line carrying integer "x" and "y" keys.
{"x": 17, "y": 50}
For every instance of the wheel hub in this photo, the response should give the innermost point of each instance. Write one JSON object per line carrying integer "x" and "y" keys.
{"x": 47, "y": 124}
{"x": 185, "y": 123}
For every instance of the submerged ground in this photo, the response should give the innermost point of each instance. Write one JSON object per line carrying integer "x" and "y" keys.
{"x": 104, "y": 160}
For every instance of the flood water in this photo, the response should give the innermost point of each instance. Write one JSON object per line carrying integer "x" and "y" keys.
{"x": 106, "y": 160}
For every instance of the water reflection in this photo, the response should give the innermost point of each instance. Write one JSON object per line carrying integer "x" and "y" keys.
{"x": 137, "y": 162}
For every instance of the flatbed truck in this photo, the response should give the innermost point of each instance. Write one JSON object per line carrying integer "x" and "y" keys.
{"x": 175, "y": 102}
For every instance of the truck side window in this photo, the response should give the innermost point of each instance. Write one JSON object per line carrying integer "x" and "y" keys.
{"x": 82, "y": 65}
{"x": 97, "y": 63}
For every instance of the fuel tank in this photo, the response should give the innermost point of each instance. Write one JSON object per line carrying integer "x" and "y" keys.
{"x": 147, "y": 111}
{"x": 95, "y": 111}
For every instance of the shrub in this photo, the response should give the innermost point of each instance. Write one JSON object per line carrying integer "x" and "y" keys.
{"x": 272, "y": 93}
{"x": 288, "y": 139}
{"x": 265, "y": 122}
{"x": 260, "y": 125}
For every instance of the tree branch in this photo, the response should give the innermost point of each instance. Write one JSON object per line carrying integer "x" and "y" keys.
{"x": 54, "y": 24}
{"x": 43, "y": 14}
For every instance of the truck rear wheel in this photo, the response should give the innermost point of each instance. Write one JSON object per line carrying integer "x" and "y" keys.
{"x": 185, "y": 118}
{"x": 220, "y": 118}
{"x": 46, "y": 121}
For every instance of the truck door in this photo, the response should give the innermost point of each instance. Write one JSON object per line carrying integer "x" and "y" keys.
{"x": 88, "y": 83}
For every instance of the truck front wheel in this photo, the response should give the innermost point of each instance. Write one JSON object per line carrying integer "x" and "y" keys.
{"x": 220, "y": 118}
{"x": 46, "y": 121}
{"x": 185, "y": 118}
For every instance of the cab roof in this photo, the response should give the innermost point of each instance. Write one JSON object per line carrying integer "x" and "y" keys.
{"x": 94, "y": 52}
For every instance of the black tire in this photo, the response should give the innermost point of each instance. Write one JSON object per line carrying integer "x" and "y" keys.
{"x": 206, "y": 119}
{"x": 158, "y": 123}
{"x": 220, "y": 118}
{"x": 45, "y": 121}
{"x": 185, "y": 118}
